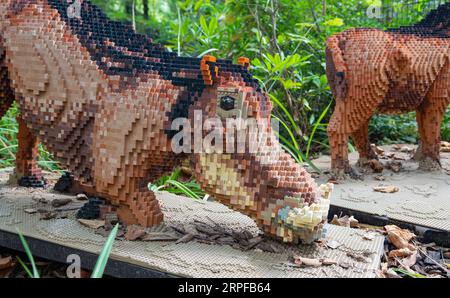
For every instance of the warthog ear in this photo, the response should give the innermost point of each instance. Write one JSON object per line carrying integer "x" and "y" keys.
{"x": 209, "y": 70}
{"x": 244, "y": 61}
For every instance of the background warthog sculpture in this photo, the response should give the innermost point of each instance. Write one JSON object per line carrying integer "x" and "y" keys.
{"x": 393, "y": 71}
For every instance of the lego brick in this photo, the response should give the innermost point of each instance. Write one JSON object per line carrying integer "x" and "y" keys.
{"x": 394, "y": 71}
{"x": 102, "y": 99}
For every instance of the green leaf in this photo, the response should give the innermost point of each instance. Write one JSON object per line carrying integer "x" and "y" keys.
{"x": 198, "y": 4}
{"x": 319, "y": 120}
{"x": 207, "y": 52}
{"x": 212, "y": 26}
{"x": 285, "y": 111}
{"x": 28, "y": 253}
{"x": 183, "y": 188}
{"x": 288, "y": 130}
{"x": 203, "y": 24}
{"x": 25, "y": 267}
{"x": 104, "y": 255}
{"x": 336, "y": 22}
{"x": 410, "y": 274}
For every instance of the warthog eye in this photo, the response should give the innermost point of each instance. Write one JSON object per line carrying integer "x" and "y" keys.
{"x": 227, "y": 103}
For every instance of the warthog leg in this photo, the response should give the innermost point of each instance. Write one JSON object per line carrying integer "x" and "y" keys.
{"x": 431, "y": 113}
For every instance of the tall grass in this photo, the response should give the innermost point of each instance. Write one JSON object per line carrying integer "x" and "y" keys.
{"x": 99, "y": 267}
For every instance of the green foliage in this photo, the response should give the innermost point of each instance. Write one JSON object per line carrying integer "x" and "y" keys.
{"x": 445, "y": 128}
{"x": 174, "y": 185}
{"x": 394, "y": 129}
{"x": 402, "y": 128}
{"x": 8, "y": 144}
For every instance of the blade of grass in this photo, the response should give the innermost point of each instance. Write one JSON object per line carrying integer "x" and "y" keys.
{"x": 300, "y": 154}
{"x": 7, "y": 148}
{"x": 286, "y": 148}
{"x": 207, "y": 52}
{"x": 28, "y": 253}
{"x": 289, "y": 131}
{"x": 183, "y": 188}
{"x": 351, "y": 148}
{"x": 25, "y": 267}
{"x": 319, "y": 120}
{"x": 410, "y": 274}
{"x": 285, "y": 111}
{"x": 322, "y": 144}
{"x": 104, "y": 255}
{"x": 288, "y": 144}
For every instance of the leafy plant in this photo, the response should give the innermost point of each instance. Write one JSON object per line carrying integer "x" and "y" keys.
{"x": 35, "y": 273}
{"x": 173, "y": 185}
{"x": 100, "y": 265}
{"x": 393, "y": 129}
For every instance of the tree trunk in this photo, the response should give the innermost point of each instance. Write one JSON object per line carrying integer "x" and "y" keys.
{"x": 145, "y": 3}
{"x": 129, "y": 7}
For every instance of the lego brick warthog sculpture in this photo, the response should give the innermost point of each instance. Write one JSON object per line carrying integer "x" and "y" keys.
{"x": 102, "y": 99}
{"x": 395, "y": 71}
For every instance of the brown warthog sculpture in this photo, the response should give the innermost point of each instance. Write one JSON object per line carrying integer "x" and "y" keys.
{"x": 103, "y": 99}
{"x": 394, "y": 71}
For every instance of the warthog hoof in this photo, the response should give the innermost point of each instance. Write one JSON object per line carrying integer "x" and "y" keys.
{"x": 343, "y": 174}
{"x": 355, "y": 174}
{"x": 429, "y": 164}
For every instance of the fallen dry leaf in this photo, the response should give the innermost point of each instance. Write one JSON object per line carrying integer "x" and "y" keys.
{"x": 400, "y": 237}
{"x": 186, "y": 238}
{"x": 345, "y": 265}
{"x": 92, "y": 223}
{"x": 361, "y": 257}
{"x": 395, "y": 166}
{"x": 391, "y": 274}
{"x": 353, "y": 222}
{"x": 307, "y": 262}
{"x": 333, "y": 181}
{"x": 401, "y": 156}
{"x": 377, "y": 149}
{"x": 376, "y": 166}
{"x": 134, "y": 232}
{"x": 6, "y": 263}
{"x": 333, "y": 244}
{"x": 406, "y": 149}
{"x": 47, "y": 215}
{"x": 345, "y": 221}
{"x": 159, "y": 237}
{"x": 60, "y": 202}
{"x": 82, "y": 197}
{"x": 328, "y": 262}
{"x": 386, "y": 189}
{"x": 389, "y": 154}
{"x": 30, "y": 210}
{"x": 369, "y": 236}
{"x": 445, "y": 146}
{"x": 380, "y": 178}
{"x": 400, "y": 253}
{"x": 410, "y": 260}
